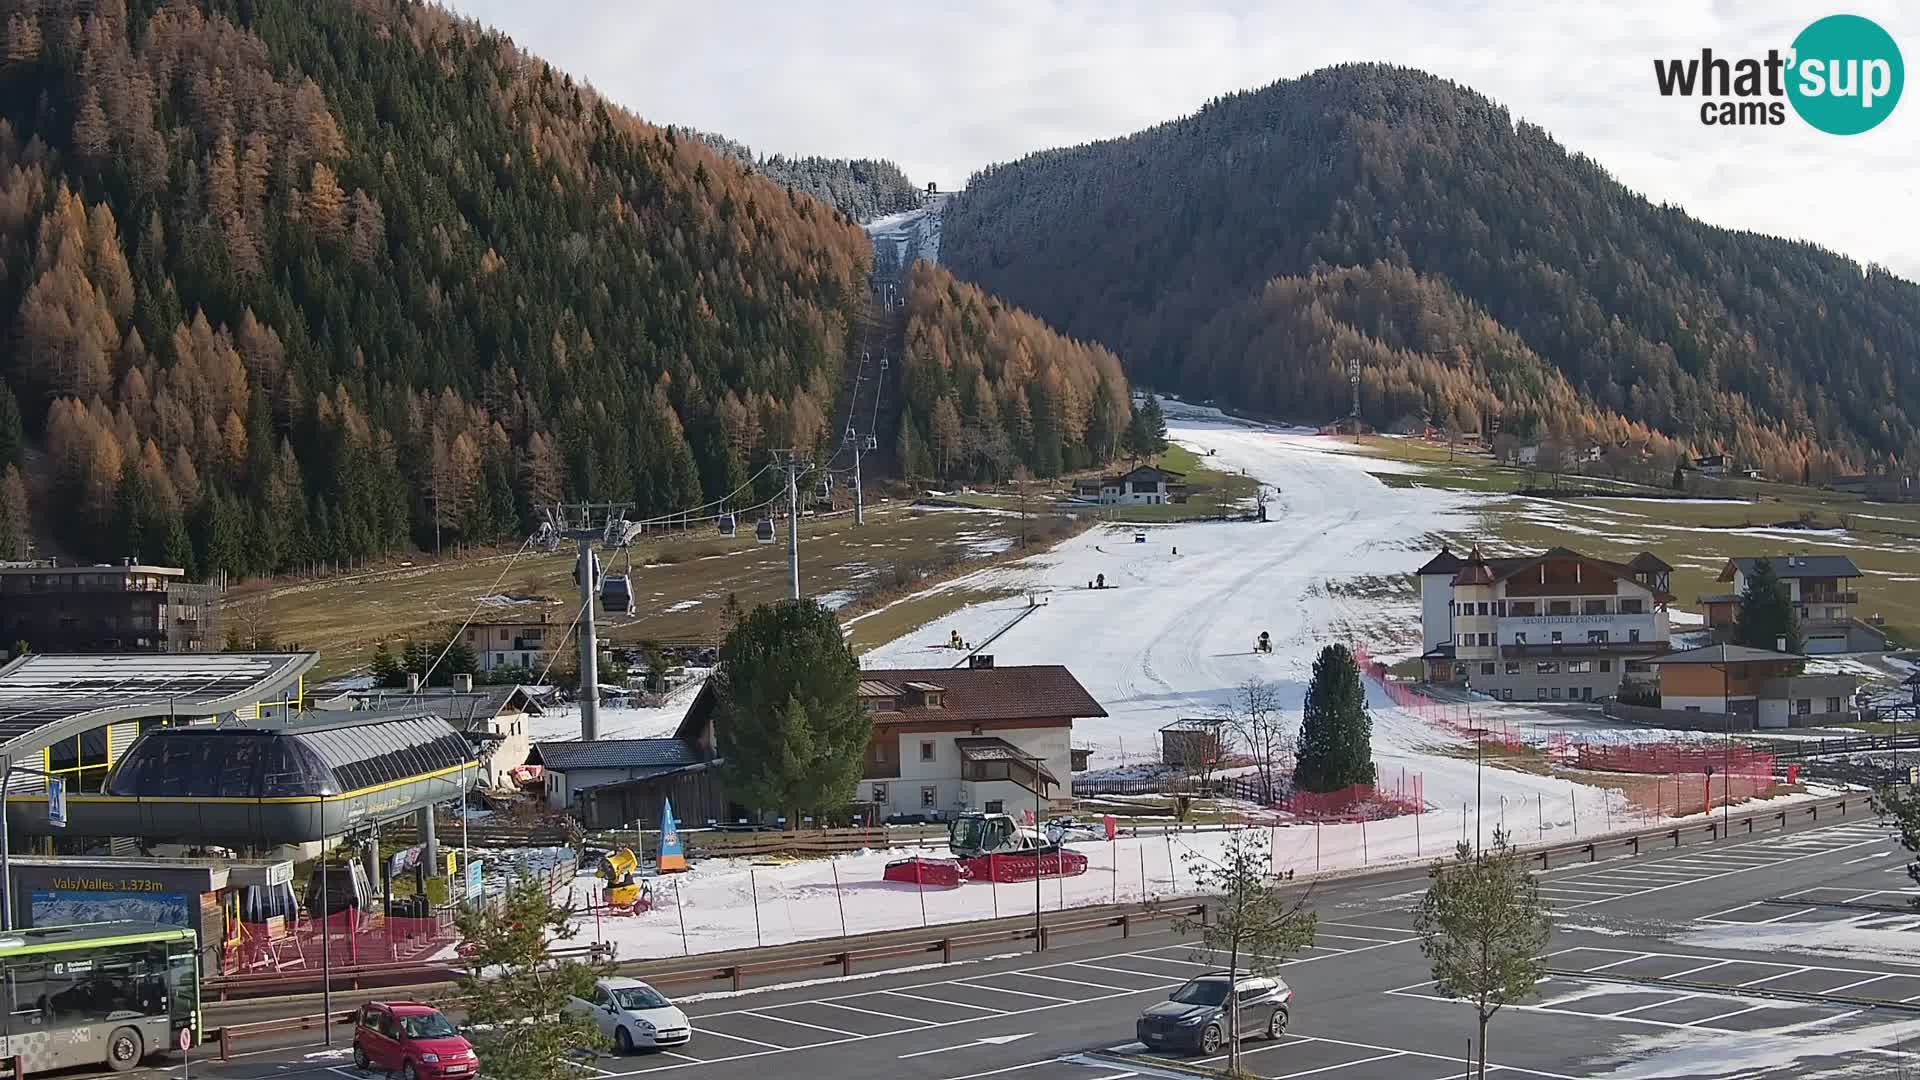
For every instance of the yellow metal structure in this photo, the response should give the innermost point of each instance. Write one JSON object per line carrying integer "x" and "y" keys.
{"x": 618, "y": 869}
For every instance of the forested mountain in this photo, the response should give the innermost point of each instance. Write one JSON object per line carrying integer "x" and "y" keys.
{"x": 286, "y": 282}
{"x": 1472, "y": 265}
{"x": 862, "y": 189}
{"x": 990, "y": 389}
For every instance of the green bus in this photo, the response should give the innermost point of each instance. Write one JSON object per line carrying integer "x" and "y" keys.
{"x": 106, "y": 993}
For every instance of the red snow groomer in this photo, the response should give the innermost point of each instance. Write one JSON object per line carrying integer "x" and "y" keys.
{"x": 989, "y": 847}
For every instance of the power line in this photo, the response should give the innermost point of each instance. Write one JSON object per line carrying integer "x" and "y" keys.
{"x": 468, "y": 621}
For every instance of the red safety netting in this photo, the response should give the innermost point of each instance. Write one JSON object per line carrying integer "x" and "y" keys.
{"x": 1458, "y": 718}
{"x": 1369, "y": 802}
{"x": 354, "y": 938}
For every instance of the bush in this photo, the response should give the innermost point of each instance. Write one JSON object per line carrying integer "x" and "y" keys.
{"x": 1642, "y": 694}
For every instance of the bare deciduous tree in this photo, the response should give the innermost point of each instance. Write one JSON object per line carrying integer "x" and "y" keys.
{"x": 1254, "y": 716}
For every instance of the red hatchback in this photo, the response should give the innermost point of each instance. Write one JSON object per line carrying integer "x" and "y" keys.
{"x": 413, "y": 1040}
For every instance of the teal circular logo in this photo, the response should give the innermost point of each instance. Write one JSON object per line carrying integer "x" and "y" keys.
{"x": 1846, "y": 75}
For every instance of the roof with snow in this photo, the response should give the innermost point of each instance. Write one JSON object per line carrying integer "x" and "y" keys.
{"x": 45, "y": 697}
{"x": 1724, "y": 654}
{"x": 665, "y": 754}
{"x": 1796, "y": 566}
{"x": 1034, "y": 692}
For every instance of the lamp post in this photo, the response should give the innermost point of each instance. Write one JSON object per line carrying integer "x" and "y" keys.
{"x": 1478, "y": 743}
{"x": 1038, "y": 835}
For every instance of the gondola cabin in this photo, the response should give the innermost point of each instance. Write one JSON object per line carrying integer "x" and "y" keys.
{"x": 726, "y": 525}
{"x": 615, "y": 595}
{"x": 763, "y": 532}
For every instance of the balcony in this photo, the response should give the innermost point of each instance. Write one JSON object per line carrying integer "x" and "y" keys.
{"x": 1829, "y": 598}
{"x": 1581, "y": 648}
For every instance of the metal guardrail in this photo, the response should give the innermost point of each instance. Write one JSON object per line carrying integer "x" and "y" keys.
{"x": 1708, "y": 830}
{"x": 1801, "y": 749}
{"x": 737, "y": 973}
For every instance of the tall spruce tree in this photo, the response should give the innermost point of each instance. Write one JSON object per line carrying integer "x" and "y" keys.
{"x": 1766, "y": 612}
{"x": 1336, "y": 734}
{"x": 12, "y": 434}
{"x": 788, "y": 719}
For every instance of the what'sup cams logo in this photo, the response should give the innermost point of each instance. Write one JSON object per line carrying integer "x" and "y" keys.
{"x": 1843, "y": 75}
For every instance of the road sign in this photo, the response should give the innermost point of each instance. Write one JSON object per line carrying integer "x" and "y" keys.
{"x": 185, "y": 1041}
{"x": 56, "y": 802}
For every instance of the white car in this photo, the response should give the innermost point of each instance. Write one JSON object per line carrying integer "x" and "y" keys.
{"x": 634, "y": 1015}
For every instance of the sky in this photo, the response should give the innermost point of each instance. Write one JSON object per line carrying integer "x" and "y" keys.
{"x": 945, "y": 89}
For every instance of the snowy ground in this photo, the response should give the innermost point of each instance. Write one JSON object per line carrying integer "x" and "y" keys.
{"x": 1171, "y": 637}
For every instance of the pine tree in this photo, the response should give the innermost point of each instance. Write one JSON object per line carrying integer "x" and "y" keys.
{"x": 1336, "y": 733}
{"x": 386, "y": 671}
{"x": 1767, "y": 614}
{"x": 12, "y": 433}
{"x": 791, "y": 729}
{"x": 15, "y": 525}
{"x": 516, "y": 992}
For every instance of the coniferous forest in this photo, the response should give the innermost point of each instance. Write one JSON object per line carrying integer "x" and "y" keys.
{"x": 1473, "y": 267}
{"x": 861, "y": 188}
{"x": 285, "y": 283}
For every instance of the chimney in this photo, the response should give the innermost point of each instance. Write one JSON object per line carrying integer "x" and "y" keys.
{"x": 463, "y": 683}
{"x": 413, "y": 682}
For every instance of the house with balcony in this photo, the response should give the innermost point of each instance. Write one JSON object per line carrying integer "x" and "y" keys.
{"x": 1823, "y": 593}
{"x": 1752, "y": 688}
{"x": 991, "y": 739}
{"x": 1556, "y": 626}
{"x": 1145, "y": 485}
{"x": 518, "y": 644}
{"x": 127, "y": 606}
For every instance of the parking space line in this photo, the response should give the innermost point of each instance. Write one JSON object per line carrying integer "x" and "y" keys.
{"x": 1004, "y": 1070}
{"x": 1702, "y": 967}
{"x": 1617, "y": 963}
{"x": 1724, "y": 1016}
{"x": 1365, "y": 926}
{"x": 1342, "y": 1065}
{"x": 1655, "y": 1005}
{"x": 869, "y": 1012}
{"x": 1349, "y": 937}
{"x": 750, "y": 1042}
{"x": 944, "y": 1001}
{"x": 1004, "y": 990}
{"x": 1770, "y": 978}
{"x": 1130, "y": 971}
{"x": 1788, "y": 915}
{"x": 671, "y": 1054}
{"x": 1867, "y": 858}
{"x": 1073, "y": 982}
{"x": 800, "y": 1023}
{"x": 1860, "y": 982}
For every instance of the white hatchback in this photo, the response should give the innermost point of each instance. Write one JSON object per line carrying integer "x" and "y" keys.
{"x": 634, "y": 1015}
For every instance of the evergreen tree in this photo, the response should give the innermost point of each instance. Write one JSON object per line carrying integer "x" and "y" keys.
{"x": 15, "y": 526}
{"x": 1336, "y": 732}
{"x": 1767, "y": 615}
{"x": 386, "y": 671}
{"x": 790, "y": 727}
{"x": 515, "y": 991}
{"x": 12, "y": 434}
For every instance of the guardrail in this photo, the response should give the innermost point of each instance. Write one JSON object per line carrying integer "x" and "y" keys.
{"x": 737, "y": 973}
{"x": 1711, "y": 830}
{"x": 1800, "y": 749}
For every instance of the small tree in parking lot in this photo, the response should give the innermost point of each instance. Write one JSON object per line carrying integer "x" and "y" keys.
{"x": 517, "y": 991}
{"x": 1250, "y": 922}
{"x": 1900, "y": 812}
{"x": 1484, "y": 928}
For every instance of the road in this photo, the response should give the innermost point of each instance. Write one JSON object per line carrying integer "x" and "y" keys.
{"x": 1758, "y": 957}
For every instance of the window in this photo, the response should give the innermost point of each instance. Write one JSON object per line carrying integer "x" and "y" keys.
{"x": 996, "y": 806}
{"x": 933, "y": 701}
{"x": 1633, "y": 635}
{"x": 1525, "y": 607}
{"x": 1506, "y": 694}
{"x": 1557, "y": 637}
{"x": 1693, "y": 708}
{"x": 1606, "y": 666}
{"x": 1483, "y": 609}
{"x": 503, "y": 633}
{"x": 1632, "y": 605}
{"x": 1833, "y": 704}
{"x": 1546, "y": 667}
{"x": 1483, "y": 641}
{"x": 929, "y": 797}
{"x": 1500, "y": 608}
{"x": 1556, "y": 693}
{"x": 1803, "y": 706}
{"x": 880, "y": 793}
{"x": 1459, "y": 671}
{"x": 926, "y": 750}
{"x": 1513, "y": 667}
{"x": 1487, "y": 669}
{"x": 1559, "y": 607}
{"x": 1539, "y": 693}
{"x": 1520, "y": 638}
{"x": 1596, "y": 637}
{"x": 1466, "y": 639}
{"x": 880, "y": 753}
{"x": 1579, "y": 667}
{"x": 1594, "y": 607}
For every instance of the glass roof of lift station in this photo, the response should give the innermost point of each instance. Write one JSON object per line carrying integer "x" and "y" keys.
{"x": 336, "y": 757}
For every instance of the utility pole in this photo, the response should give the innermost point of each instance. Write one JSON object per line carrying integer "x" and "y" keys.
{"x": 859, "y": 500}
{"x": 584, "y": 523}
{"x": 1353, "y": 377}
{"x": 791, "y": 460}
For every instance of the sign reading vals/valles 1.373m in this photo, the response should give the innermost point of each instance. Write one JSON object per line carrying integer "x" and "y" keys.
{"x": 1843, "y": 75}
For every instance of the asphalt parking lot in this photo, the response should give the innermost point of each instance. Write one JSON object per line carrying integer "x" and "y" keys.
{"x": 1741, "y": 958}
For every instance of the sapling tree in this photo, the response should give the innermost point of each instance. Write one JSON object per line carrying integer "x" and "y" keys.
{"x": 1484, "y": 928}
{"x": 517, "y": 991}
{"x": 1253, "y": 921}
{"x": 1254, "y": 715}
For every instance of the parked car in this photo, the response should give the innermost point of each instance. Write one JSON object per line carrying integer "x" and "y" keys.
{"x": 634, "y": 1015}
{"x": 1194, "y": 1017}
{"x": 411, "y": 1039}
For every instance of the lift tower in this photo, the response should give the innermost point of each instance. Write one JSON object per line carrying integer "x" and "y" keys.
{"x": 584, "y": 523}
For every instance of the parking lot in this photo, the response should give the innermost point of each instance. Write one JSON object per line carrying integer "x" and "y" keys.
{"x": 735, "y": 1028}
{"x": 1582, "y": 886}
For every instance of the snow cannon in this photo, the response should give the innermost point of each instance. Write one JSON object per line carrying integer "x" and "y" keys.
{"x": 626, "y": 893}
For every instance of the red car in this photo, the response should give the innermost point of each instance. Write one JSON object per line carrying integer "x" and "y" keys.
{"x": 413, "y": 1040}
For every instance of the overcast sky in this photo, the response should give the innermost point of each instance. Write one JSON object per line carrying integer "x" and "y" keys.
{"x": 946, "y": 88}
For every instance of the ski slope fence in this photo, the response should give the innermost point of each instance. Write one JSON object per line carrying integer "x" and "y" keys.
{"x": 1455, "y": 717}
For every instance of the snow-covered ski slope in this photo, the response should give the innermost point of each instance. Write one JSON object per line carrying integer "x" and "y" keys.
{"x": 1173, "y": 635}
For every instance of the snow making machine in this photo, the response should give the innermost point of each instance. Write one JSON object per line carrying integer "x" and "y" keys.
{"x": 990, "y": 847}
{"x": 627, "y": 894}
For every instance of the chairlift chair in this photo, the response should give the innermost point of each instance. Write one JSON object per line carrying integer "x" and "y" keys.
{"x": 726, "y": 524}
{"x": 873, "y": 443}
{"x": 763, "y": 532}
{"x": 822, "y": 491}
{"x": 851, "y": 434}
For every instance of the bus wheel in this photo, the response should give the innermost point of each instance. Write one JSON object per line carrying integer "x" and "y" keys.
{"x": 124, "y": 1049}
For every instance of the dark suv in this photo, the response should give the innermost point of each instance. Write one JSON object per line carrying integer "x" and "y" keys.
{"x": 1194, "y": 1017}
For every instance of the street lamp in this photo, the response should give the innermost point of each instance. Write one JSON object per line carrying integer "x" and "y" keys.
{"x": 1038, "y": 835}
